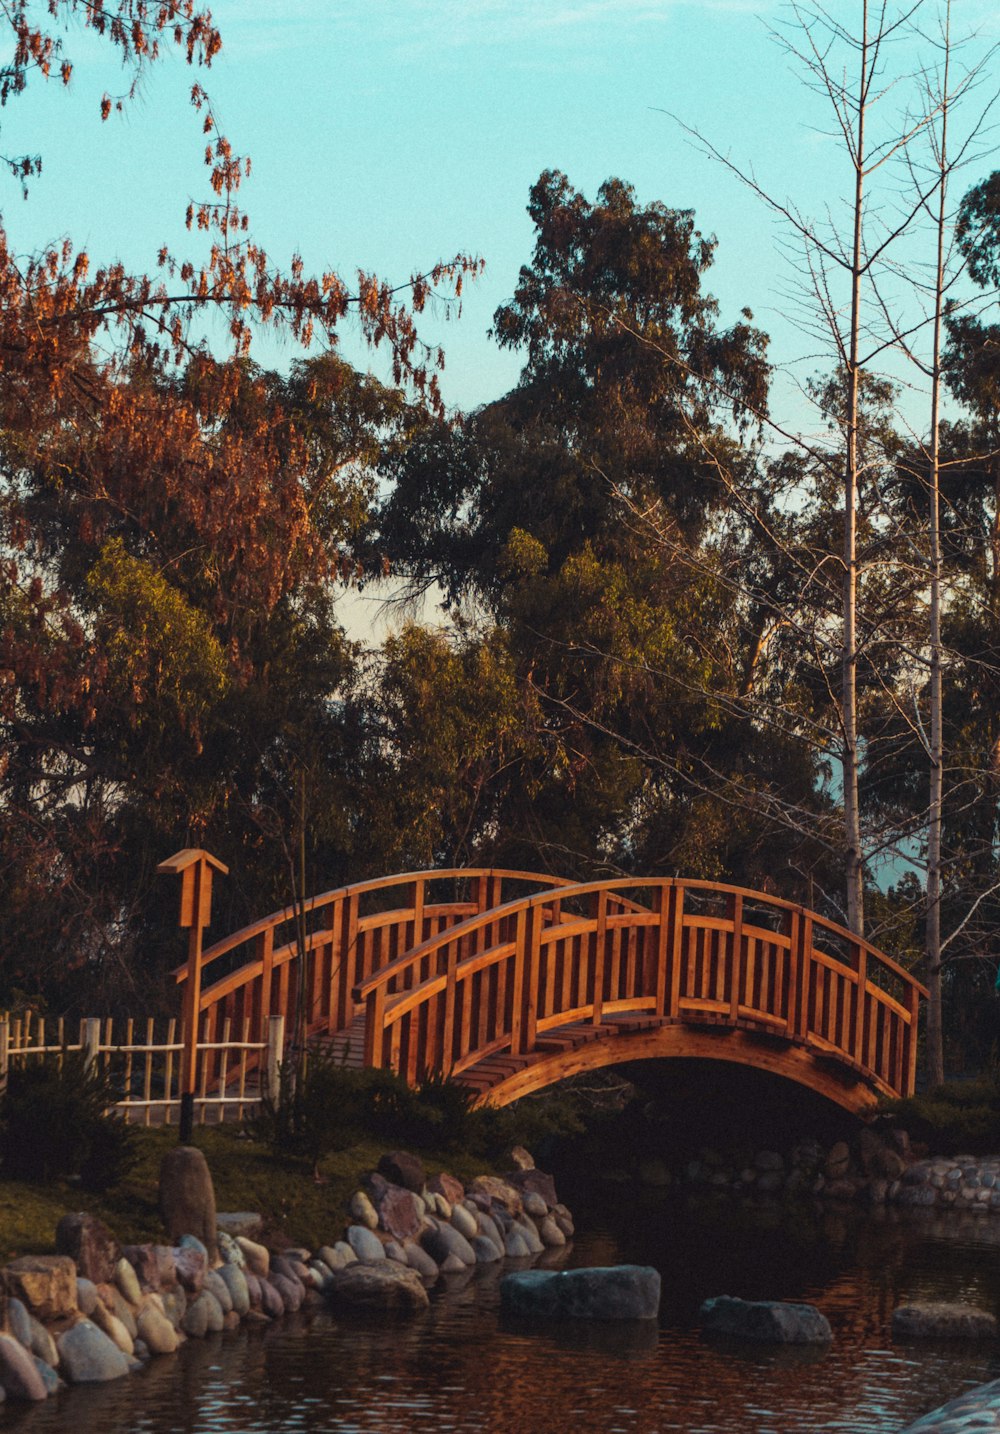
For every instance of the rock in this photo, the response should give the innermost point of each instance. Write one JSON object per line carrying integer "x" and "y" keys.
{"x": 385, "y": 1286}
{"x": 939, "y": 1320}
{"x": 48, "y": 1375}
{"x": 156, "y": 1331}
{"x": 403, "y": 1169}
{"x": 191, "y": 1267}
{"x": 127, "y": 1282}
{"x": 367, "y": 1246}
{"x": 347, "y": 1255}
{"x": 532, "y": 1239}
{"x": 292, "y": 1292}
{"x": 439, "y": 1205}
{"x": 45, "y": 1284}
{"x": 442, "y": 1240}
{"x": 464, "y": 1222}
{"x": 452, "y": 1265}
{"x": 535, "y": 1182}
{"x": 447, "y": 1185}
{"x": 768, "y": 1160}
{"x": 191, "y": 1242}
{"x": 333, "y": 1259}
{"x": 499, "y": 1192}
{"x": 90, "y": 1245}
{"x": 175, "y": 1306}
{"x": 395, "y": 1251}
{"x": 115, "y": 1329}
{"x": 550, "y": 1234}
{"x": 362, "y": 1211}
{"x": 217, "y": 1286}
{"x": 772, "y": 1321}
{"x": 976, "y": 1409}
{"x": 270, "y": 1300}
{"x": 187, "y": 1198}
{"x": 565, "y": 1225}
{"x": 399, "y": 1211}
{"x": 521, "y": 1159}
{"x": 877, "y": 1160}
{"x": 146, "y": 1263}
{"x": 195, "y": 1320}
{"x": 257, "y": 1257}
{"x": 653, "y": 1172}
{"x": 86, "y": 1296}
{"x": 88, "y": 1356}
{"x": 230, "y": 1251}
{"x": 19, "y": 1322}
{"x": 487, "y": 1226}
{"x": 42, "y": 1345}
{"x": 216, "y": 1314}
{"x": 769, "y": 1182}
{"x": 616, "y": 1292}
{"x": 485, "y": 1250}
{"x": 18, "y": 1373}
{"x": 535, "y": 1206}
{"x": 515, "y": 1246}
{"x": 838, "y": 1161}
{"x": 240, "y": 1222}
{"x": 115, "y": 1301}
{"x": 236, "y": 1283}
{"x": 418, "y": 1259}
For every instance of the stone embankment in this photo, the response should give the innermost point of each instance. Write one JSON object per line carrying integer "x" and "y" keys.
{"x": 871, "y": 1169}
{"x": 96, "y": 1310}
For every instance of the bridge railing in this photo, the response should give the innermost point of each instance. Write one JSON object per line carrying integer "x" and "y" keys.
{"x": 352, "y": 932}
{"x": 693, "y": 951}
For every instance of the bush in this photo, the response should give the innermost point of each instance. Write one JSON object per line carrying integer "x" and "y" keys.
{"x": 53, "y": 1124}
{"x": 961, "y": 1116}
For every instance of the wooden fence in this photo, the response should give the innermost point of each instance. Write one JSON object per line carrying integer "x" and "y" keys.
{"x": 142, "y": 1060}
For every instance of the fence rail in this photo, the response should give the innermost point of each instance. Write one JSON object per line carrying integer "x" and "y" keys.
{"x": 234, "y": 1073}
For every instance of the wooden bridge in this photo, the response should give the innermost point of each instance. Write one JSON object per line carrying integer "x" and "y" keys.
{"x": 511, "y": 980}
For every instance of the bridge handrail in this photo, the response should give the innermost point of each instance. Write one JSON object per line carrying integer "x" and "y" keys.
{"x": 475, "y": 923}
{"x": 357, "y": 889}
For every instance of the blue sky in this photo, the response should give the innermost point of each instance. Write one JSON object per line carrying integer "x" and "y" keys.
{"x": 390, "y": 133}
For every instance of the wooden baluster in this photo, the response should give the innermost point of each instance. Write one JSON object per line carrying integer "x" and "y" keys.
{"x": 660, "y": 947}
{"x": 447, "y": 1053}
{"x": 265, "y": 948}
{"x": 517, "y": 983}
{"x": 860, "y": 1010}
{"x": 600, "y": 952}
{"x": 349, "y": 957}
{"x": 227, "y": 1031}
{"x": 147, "y": 1078}
{"x": 419, "y": 904}
{"x": 532, "y": 975}
{"x": 677, "y": 953}
{"x": 169, "y": 1073}
{"x": 913, "y": 1006}
{"x": 340, "y": 995}
{"x": 736, "y": 954}
{"x": 375, "y": 1026}
{"x": 805, "y": 965}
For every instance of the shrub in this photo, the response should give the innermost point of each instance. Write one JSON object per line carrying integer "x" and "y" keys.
{"x": 955, "y": 1117}
{"x": 53, "y": 1123}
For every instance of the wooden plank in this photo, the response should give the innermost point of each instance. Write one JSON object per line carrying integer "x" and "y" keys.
{"x": 598, "y": 947}
{"x": 735, "y": 953}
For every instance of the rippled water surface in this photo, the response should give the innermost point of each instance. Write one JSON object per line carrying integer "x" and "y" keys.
{"x": 459, "y": 1368}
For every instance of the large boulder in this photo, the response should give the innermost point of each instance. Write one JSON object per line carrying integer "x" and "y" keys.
{"x": 88, "y": 1356}
{"x": 975, "y": 1409}
{"x": 402, "y": 1168}
{"x": 385, "y": 1286}
{"x": 488, "y": 1190}
{"x": 535, "y": 1182}
{"x": 939, "y": 1320}
{"x": 187, "y": 1198}
{"x": 612, "y": 1292}
{"x": 399, "y": 1211}
{"x": 447, "y": 1185}
{"x": 768, "y": 1321}
{"x": 90, "y": 1244}
{"x": 46, "y": 1284}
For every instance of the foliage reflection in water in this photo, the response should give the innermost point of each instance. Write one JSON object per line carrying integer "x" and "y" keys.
{"x": 461, "y": 1368}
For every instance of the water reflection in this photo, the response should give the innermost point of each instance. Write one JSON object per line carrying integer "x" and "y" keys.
{"x": 460, "y": 1368}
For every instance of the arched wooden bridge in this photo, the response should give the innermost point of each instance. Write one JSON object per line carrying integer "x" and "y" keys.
{"x": 512, "y": 980}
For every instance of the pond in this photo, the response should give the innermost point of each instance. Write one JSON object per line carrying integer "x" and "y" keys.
{"x": 460, "y": 1368}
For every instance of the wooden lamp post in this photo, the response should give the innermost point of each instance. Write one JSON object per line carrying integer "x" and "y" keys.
{"x": 194, "y": 867}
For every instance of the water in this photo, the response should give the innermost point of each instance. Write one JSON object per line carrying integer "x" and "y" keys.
{"x": 459, "y": 1368}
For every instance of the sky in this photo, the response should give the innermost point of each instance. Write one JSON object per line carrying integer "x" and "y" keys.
{"x": 388, "y": 134}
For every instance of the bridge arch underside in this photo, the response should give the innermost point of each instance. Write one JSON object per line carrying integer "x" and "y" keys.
{"x": 826, "y": 1075}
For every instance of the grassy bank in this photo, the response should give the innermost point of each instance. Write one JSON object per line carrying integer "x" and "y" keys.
{"x": 247, "y": 1176}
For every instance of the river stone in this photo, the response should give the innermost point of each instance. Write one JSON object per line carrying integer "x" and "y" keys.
{"x": 230, "y": 1251}
{"x": 48, "y": 1375}
{"x": 535, "y": 1206}
{"x": 292, "y": 1292}
{"x": 156, "y": 1331}
{"x": 515, "y": 1246}
{"x": 18, "y": 1373}
{"x": 615, "y": 1292}
{"x": 975, "y": 1410}
{"x": 333, "y": 1259}
{"x": 146, "y": 1263}
{"x": 400, "y": 1212}
{"x": 367, "y": 1246}
{"x": 487, "y": 1226}
{"x": 386, "y": 1286}
{"x": 86, "y": 1296}
{"x": 550, "y": 1234}
{"x": 217, "y": 1286}
{"x": 877, "y": 1159}
{"x": 362, "y": 1211}
{"x": 127, "y": 1281}
{"x": 270, "y": 1300}
{"x": 535, "y": 1182}
{"x": 175, "y": 1305}
{"x": 240, "y": 1222}
{"x": 395, "y": 1251}
{"x": 440, "y": 1241}
{"x": 772, "y": 1321}
{"x": 838, "y": 1161}
{"x": 46, "y": 1284}
{"x": 463, "y": 1222}
{"x": 116, "y": 1303}
{"x": 191, "y": 1266}
{"x": 347, "y": 1255}
{"x": 253, "y": 1289}
{"x": 88, "y": 1356}
{"x": 418, "y": 1259}
{"x": 447, "y": 1185}
{"x": 486, "y": 1251}
{"x": 187, "y": 1198}
{"x": 90, "y": 1244}
{"x": 530, "y": 1235}
{"x": 42, "y": 1345}
{"x": 195, "y": 1319}
{"x": 500, "y": 1192}
{"x": 19, "y": 1321}
{"x": 115, "y": 1329}
{"x": 236, "y": 1284}
{"x": 452, "y": 1265}
{"x": 940, "y": 1320}
{"x": 402, "y": 1168}
{"x": 521, "y": 1159}
{"x": 257, "y": 1257}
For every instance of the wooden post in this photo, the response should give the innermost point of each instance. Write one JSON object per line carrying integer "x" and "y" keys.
{"x": 273, "y": 1055}
{"x": 195, "y": 868}
{"x": 4, "y": 1052}
{"x": 91, "y": 1042}
{"x": 736, "y": 958}
{"x": 597, "y": 965}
